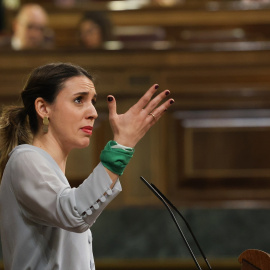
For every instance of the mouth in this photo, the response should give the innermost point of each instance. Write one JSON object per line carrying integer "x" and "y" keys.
{"x": 87, "y": 129}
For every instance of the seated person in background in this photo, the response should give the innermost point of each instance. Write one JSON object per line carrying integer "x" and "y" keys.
{"x": 29, "y": 29}
{"x": 94, "y": 29}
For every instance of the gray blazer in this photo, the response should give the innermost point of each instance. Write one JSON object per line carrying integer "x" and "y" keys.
{"x": 44, "y": 222}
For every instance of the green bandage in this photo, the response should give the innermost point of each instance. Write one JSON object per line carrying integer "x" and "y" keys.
{"x": 116, "y": 158}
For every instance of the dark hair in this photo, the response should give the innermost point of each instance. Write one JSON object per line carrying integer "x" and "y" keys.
{"x": 101, "y": 19}
{"x": 45, "y": 82}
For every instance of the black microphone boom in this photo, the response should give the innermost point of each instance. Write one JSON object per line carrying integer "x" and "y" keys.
{"x": 189, "y": 228}
{"x": 174, "y": 219}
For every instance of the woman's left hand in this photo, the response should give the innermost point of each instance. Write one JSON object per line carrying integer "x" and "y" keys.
{"x": 130, "y": 127}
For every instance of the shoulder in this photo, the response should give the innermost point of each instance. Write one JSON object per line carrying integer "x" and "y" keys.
{"x": 27, "y": 149}
{"x": 25, "y": 163}
{"x": 23, "y": 151}
{"x": 32, "y": 165}
{"x": 26, "y": 157}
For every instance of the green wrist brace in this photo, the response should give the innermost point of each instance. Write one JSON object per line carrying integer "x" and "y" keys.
{"x": 115, "y": 159}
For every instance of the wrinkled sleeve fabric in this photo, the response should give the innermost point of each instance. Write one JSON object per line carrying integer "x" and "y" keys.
{"x": 47, "y": 199}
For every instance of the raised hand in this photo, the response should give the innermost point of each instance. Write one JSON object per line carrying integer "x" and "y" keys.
{"x": 130, "y": 127}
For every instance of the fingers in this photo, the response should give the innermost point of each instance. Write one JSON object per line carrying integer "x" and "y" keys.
{"x": 147, "y": 103}
{"x": 111, "y": 106}
{"x": 128, "y": 128}
{"x": 144, "y": 100}
{"x": 154, "y": 115}
{"x": 155, "y": 101}
{"x": 146, "y": 106}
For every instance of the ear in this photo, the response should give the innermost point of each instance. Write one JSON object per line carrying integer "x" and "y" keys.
{"x": 42, "y": 107}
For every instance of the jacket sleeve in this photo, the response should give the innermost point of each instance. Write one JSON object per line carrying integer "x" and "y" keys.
{"x": 47, "y": 200}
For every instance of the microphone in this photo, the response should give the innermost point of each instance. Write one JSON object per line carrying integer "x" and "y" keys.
{"x": 188, "y": 226}
{"x": 165, "y": 201}
{"x": 175, "y": 221}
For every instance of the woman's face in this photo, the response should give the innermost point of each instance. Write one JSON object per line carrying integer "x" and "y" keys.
{"x": 90, "y": 35}
{"x": 72, "y": 114}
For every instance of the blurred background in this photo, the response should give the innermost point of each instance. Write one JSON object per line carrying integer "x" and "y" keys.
{"x": 209, "y": 154}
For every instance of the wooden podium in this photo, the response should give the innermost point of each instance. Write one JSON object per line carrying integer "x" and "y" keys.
{"x": 253, "y": 259}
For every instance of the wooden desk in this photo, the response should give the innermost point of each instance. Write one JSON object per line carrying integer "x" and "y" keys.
{"x": 253, "y": 259}
{"x": 222, "y": 109}
{"x": 204, "y": 79}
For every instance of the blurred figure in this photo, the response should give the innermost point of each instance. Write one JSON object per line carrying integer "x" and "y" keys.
{"x": 94, "y": 30}
{"x": 29, "y": 28}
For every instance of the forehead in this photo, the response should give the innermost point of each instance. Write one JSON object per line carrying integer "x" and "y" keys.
{"x": 78, "y": 84}
{"x": 33, "y": 15}
{"x": 88, "y": 24}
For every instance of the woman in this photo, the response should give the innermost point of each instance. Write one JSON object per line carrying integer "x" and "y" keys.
{"x": 94, "y": 29}
{"x": 44, "y": 222}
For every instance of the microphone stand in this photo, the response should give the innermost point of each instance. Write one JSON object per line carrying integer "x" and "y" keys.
{"x": 174, "y": 219}
{"x": 189, "y": 228}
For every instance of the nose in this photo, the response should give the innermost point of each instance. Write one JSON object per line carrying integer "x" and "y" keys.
{"x": 91, "y": 112}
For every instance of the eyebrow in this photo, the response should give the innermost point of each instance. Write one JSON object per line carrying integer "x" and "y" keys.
{"x": 84, "y": 94}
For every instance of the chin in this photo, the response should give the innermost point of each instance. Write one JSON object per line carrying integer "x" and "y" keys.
{"x": 84, "y": 144}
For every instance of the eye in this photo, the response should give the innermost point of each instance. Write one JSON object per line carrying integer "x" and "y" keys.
{"x": 78, "y": 99}
{"x": 94, "y": 101}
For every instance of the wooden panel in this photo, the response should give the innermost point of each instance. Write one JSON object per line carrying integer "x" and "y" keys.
{"x": 221, "y": 156}
{"x": 247, "y": 266}
{"x": 209, "y": 87}
{"x": 150, "y": 162}
{"x": 254, "y": 259}
{"x": 227, "y": 152}
{"x": 196, "y": 77}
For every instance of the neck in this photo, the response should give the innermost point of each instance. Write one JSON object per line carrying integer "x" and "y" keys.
{"x": 57, "y": 152}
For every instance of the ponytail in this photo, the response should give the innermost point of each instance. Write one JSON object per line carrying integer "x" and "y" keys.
{"x": 14, "y": 130}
